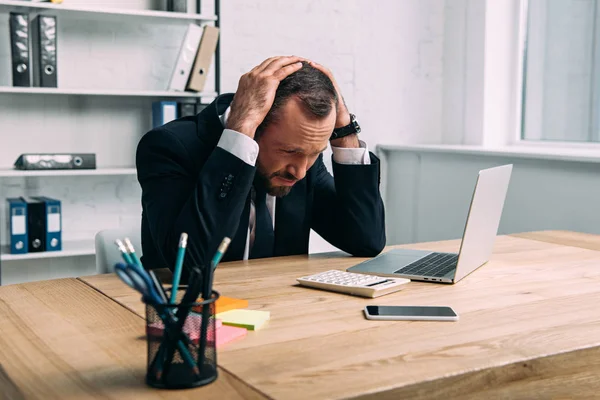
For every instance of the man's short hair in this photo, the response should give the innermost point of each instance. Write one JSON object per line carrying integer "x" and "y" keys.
{"x": 312, "y": 87}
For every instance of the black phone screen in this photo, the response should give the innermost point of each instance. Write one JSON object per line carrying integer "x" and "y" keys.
{"x": 411, "y": 311}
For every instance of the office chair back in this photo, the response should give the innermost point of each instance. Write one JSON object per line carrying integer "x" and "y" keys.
{"x": 107, "y": 253}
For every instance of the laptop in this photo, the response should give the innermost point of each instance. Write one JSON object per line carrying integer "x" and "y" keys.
{"x": 476, "y": 246}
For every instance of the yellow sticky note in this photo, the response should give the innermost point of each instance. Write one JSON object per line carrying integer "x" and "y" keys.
{"x": 249, "y": 319}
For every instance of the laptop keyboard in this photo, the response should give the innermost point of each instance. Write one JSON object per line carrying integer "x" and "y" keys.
{"x": 434, "y": 264}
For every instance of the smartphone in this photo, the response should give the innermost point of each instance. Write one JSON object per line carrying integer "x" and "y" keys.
{"x": 411, "y": 313}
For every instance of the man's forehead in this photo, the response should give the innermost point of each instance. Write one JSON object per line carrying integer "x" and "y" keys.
{"x": 299, "y": 146}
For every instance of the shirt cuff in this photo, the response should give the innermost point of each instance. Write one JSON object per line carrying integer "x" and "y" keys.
{"x": 240, "y": 145}
{"x": 345, "y": 155}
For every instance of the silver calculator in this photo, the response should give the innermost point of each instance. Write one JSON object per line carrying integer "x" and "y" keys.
{"x": 355, "y": 284}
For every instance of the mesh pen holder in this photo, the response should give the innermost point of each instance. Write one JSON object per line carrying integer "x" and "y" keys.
{"x": 181, "y": 358}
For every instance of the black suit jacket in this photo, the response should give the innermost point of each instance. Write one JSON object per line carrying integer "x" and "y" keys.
{"x": 191, "y": 185}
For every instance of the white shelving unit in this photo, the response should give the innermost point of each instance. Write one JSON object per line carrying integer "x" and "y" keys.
{"x": 112, "y": 14}
{"x": 14, "y": 173}
{"x": 101, "y": 92}
{"x": 114, "y": 17}
{"x": 70, "y": 249}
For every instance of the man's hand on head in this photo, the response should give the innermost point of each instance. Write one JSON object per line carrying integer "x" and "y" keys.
{"x": 256, "y": 93}
{"x": 343, "y": 116}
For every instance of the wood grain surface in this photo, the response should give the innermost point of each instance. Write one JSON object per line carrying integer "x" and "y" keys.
{"x": 565, "y": 238}
{"x": 529, "y": 328}
{"x": 62, "y": 339}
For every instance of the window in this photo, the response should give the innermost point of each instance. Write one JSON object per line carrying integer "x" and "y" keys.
{"x": 561, "y": 71}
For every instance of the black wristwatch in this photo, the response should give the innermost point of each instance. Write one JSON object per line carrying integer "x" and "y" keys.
{"x": 349, "y": 129}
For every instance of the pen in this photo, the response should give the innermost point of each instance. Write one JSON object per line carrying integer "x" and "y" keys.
{"x": 123, "y": 251}
{"x": 178, "y": 266}
{"x": 191, "y": 294}
{"x": 159, "y": 288}
{"x": 141, "y": 281}
{"x": 206, "y": 296}
{"x": 134, "y": 258}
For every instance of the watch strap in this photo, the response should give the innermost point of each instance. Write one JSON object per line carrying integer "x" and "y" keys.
{"x": 349, "y": 129}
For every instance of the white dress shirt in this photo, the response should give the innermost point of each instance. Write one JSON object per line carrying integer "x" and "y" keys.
{"x": 246, "y": 149}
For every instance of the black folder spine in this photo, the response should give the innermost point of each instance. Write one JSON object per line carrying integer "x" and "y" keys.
{"x": 36, "y": 225}
{"x": 19, "y": 41}
{"x": 44, "y": 51}
{"x": 177, "y": 5}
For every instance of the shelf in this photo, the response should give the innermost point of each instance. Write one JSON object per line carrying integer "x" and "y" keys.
{"x": 114, "y": 14}
{"x": 70, "y": 249}
{"x": 14, "y": 173}
{"x": 100, "y": 92}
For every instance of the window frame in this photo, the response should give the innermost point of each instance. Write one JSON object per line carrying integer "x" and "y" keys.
{"x": 515, "y": 138}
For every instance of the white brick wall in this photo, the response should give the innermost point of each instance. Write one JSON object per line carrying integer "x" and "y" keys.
{"x": 386, "y": 55}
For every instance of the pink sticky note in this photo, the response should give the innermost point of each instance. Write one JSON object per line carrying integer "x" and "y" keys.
{"x": 191, "y": 327}
{"x": 226, "y": 334}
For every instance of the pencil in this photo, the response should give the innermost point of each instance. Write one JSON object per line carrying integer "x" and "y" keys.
{"x": 178, "y": 266}
{"x": 123, "y": 251}
{"x": 134, "y": 258}
{"x": 220, "y": 252}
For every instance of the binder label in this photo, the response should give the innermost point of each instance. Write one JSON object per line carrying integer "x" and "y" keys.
{"x": 18, "y": 223}
{"x": 169, "y": 113}
{"x": 53, "y": 219}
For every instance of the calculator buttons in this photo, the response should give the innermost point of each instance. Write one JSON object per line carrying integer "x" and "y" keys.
{"x": 353, "y": 283}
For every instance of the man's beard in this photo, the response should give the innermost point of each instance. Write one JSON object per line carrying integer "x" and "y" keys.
{"x": 277, "y": 191}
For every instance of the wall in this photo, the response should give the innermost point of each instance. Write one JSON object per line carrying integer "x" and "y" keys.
{"x": 429, "y": 195}
{"x": 387, "y": 58}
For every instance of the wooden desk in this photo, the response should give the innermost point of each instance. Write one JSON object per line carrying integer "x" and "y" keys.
{"x": 565, "y": 238}
{"x": 62, "y": 339}
{"x": 529, "y": 328}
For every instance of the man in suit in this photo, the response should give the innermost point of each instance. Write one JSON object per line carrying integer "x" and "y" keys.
{"x": 250, "y": 167}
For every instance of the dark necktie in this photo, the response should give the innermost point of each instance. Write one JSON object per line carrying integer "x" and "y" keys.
{"x": 264, "y": 237}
